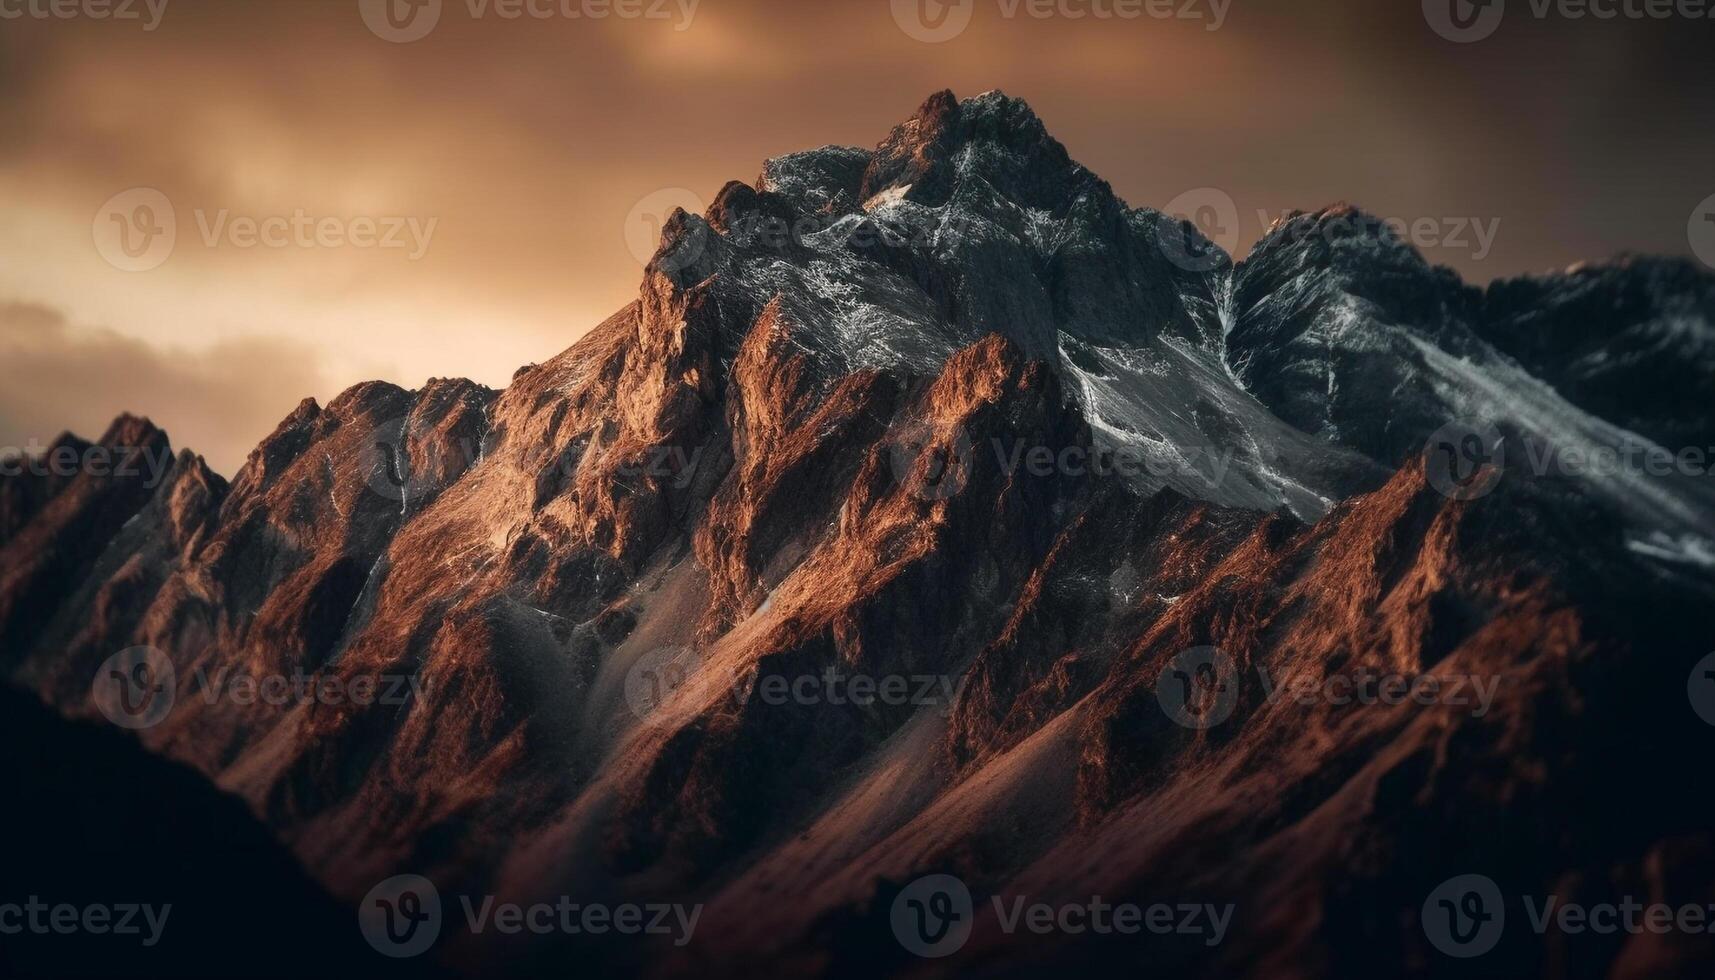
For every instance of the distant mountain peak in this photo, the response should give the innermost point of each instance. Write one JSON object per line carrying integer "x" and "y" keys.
{"x": 992, "y": 137}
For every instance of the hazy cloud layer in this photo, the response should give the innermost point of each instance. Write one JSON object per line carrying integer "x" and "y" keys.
{"x": 219, "y": 401}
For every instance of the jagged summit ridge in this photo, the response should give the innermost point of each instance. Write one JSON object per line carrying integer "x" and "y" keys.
{"x": 969, "y": 219}
{"x": 1328, "y": 356}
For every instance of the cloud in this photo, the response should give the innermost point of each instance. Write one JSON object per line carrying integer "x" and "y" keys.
{"x": 218, "y": 401}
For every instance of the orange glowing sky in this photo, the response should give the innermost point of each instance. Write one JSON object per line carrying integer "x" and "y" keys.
{"x": 528, "y": 142}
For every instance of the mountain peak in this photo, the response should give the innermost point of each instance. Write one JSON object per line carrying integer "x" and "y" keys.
{"x": 128, "y": 430}
{"x": 931, "y": 155}
{"x": 993, "y": 137}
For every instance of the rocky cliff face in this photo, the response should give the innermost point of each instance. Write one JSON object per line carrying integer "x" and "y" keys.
{"x": 951, "y": 420}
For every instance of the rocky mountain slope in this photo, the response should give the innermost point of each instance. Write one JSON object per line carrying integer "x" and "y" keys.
{"x": 950, "y": 413}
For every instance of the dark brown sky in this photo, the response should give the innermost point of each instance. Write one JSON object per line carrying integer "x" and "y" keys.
{"x": 528, "y": 142}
